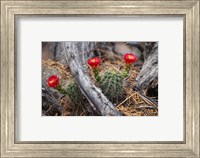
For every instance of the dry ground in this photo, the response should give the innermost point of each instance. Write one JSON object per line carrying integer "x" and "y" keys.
{"x": 135, "y": 103}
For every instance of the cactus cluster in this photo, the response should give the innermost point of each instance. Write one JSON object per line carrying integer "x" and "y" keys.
{"x": 112, "y": 86}
{"x": 75, "y": 94}
{"x": 110, "y": 82}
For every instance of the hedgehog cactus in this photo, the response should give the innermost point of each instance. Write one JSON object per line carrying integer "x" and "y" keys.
{"x": 75, "y": 94}
{"x": 112, "y": 86}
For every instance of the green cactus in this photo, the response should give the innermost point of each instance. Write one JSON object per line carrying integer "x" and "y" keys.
{"x": 112, "y": 86}
{"x": 75, "y": 94}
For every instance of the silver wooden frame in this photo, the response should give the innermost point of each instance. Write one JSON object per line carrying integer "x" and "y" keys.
{"x": 189, "y": 9}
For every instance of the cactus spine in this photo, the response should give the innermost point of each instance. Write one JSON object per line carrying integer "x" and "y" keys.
{"x": 112, "y": 86}
{"x": 75, "y": 94}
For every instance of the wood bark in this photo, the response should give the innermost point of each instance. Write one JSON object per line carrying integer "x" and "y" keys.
{"x": 148, "y": 76}
{"x": 50, "y": 105}
{"x": 48, "y": 50}
{"x": 86, "y": 50}
{"x": 96, "y": 98}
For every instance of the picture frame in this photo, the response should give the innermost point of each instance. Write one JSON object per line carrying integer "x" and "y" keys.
{"x": 187, "y": 9}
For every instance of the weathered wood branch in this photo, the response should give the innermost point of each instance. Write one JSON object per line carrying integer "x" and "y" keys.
{"x": 148, "y": 76}
{"x": 50, "y": 105}
{"x": 97, "y": 100}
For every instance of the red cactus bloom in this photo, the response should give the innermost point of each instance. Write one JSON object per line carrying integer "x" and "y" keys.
{"x": 53, "y": 81}
{"x": 130, "y": 58}
{"x": 94, "y": 62}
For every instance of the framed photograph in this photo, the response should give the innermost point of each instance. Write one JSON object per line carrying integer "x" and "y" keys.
{"x": 121, "y": 79}
{"x": 100, "y": 78}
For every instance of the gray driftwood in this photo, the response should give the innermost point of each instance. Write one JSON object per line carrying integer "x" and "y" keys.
{"x": 148, "y": 76}
{"x": 50, "y": 105}
{"x": 97, "y": 100}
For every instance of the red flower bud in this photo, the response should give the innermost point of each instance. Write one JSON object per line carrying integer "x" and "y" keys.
{"x": 94, "y": 62}
{"x": 130, "y": 58}
{"x": 53, "y": 81}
